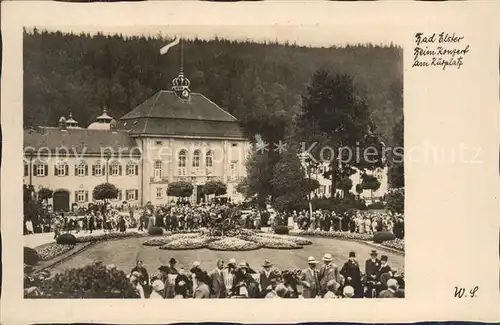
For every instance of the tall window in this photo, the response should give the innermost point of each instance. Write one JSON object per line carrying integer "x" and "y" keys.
{"x": 196, "y": 158}
{"x": 41, "y": 170}
{"x": 182, "y": 158}
{"x": 81, "y": 196}
{"x": 81, "y": 169}
{"x": 132, "y": 169}
{"x": 97, "y": 169}
{"x": 209, "y": 159}
{"x": 115, "y": 169}
{"x": 157, "y": 169}
{"x": 61, "y": 169}
{"x": 131, "y": 195}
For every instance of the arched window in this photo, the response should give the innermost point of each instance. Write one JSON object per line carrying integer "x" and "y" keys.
{"x": 196, "y": 158}
{"x": 61, "y": 169}
{"x": 209, "y": 159}
{"x": 182, "y": 158}
{"x": 81, "y": 169}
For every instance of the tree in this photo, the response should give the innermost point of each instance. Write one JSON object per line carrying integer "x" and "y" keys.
{"x": 44, "y": 194}
{"x": 359, "y": 189}
{"x": 370, "y": 182}
{"x": 334, "y": 117}
{"x": 180, "y": 189}
{"x": 396, "y": 168}
{"x": 345, "y": 184}
{"x": 31, "y": 208}
{"x": 105, "y": 191}
{"x": 243, "y": 188}
{"x": 215, "y": 187}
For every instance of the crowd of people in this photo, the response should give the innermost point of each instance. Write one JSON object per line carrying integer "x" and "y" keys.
{"x": 182, "y": 217}
{"x": 240, "y": 280}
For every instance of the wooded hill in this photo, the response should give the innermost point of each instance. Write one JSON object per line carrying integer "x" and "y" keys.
{"x": 82, "y": 73}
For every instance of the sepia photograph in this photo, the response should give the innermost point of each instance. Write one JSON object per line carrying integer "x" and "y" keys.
{"x": 215, "y": 162}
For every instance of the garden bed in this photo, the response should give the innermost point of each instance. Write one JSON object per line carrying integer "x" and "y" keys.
{"x": 233, "y": 244}
{"x": 187, "y": 243}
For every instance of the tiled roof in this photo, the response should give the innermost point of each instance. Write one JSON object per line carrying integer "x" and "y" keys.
{"x": 174, "y": 127}
{"x": 165, "y": 104}
{"x": 79, "y": 140}
{"x": 166, "y": 114}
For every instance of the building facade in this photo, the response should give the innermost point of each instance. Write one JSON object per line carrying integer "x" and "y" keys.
{"x": 173, "y": 136}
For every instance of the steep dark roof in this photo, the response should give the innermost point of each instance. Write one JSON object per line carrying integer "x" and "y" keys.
{"x": 79, "y": 140}
{"x": 166, "y": 114}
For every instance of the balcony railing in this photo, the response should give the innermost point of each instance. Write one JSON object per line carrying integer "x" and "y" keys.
{"x": 158, "y": 180}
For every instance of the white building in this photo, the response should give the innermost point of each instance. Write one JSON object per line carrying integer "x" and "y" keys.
{"x": 174, "y": 135}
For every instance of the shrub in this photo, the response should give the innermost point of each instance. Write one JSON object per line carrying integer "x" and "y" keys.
{"x": 383, "y": 236}
{"x": 396, "y": 200}
{"x": 92, "y": 281}
{"x": 66, "y": 239}
{"x": 281, "y": 230}
{"x": 31, "y": 256}
{"x": 155, "y": 231}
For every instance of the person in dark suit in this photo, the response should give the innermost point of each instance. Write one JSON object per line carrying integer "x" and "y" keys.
{"x": 352, "y": 274}
{"x": 267, "y": 278}
{"x": 216, "y": 277}
{"x": 91, "y": 222}
{"x": 372, "y": 267}
{"x": 144, "y": 279}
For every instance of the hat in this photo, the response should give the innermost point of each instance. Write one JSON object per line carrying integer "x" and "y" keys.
{"x": 267, "y": 264}
{"x": 179, "y": 297}
{"x": 373, "y": 253}
{"x": 163, "y": 268}
{"x": 384, "y": 258}
{"x": 392, "y": 283}
{"x": 348, "y": 291}
{"x": 172, "y": 261}
{"x": 352, "y": 254}
{"x": 327, "y": 257}
{"x": 311, "y": 260}
{"x": 158, "y": 285}
{"x": 243, "y": 265}
{"x": 196, "y": 263}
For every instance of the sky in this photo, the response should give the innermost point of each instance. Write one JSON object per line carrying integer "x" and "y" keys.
{"x": 303, "y": 35}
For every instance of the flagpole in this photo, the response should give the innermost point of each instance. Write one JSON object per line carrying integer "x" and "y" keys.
{"x": 182, "y": 54}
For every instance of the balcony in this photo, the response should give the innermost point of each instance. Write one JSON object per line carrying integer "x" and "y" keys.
{"x": 234, "y": 179}
{"x": 158, "y": 180}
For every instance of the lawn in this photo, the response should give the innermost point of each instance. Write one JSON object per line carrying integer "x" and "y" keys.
{"x": 124, "y": 253}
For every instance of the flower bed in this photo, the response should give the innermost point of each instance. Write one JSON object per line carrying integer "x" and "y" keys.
{"x": 160, "y": 241}
{"x": 333, "y": 234}
{"x": 107, "y": 236}
{"x": 233, "y": 244}
{"x": 297, "y": 240}
{"x": 52, "y": 250}
{"x": 271, "y": 242}
{"x": 187, "y": 243}
{"x": 398, "y": 244}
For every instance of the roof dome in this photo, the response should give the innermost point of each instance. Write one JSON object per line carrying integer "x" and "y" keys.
{"x": 72, "y": 123}
{"x": 102, "y": 122}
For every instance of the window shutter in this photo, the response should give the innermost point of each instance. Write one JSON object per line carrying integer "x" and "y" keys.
{"x": 46, "y": 170}
{"x": 109, "y": 171}
{"x": 66, "y": 170}
{"x": 55, "y": 170}
{"x": 136, "y": 194}
{"x": 120, "y": 170}
{"x": 76, "y": 196}
{"x": 33, "y": 172}
{"x": 120, "y": 195}
{"x": 103, "y": 170}
{"x": 93, "y": 170}
{"x": 86, "y": 170}
{"x": 136, "y": 169}
{"x": 76, "y": 170}
{"x": 86, "y": 196}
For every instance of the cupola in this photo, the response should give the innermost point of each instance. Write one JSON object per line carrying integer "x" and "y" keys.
{"x": 102, "y": 122}
{"x": 72, "y": 123}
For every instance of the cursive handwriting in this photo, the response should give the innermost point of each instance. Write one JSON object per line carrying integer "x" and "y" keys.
{"x": 439, "y": 50}
{"x": 461, "y": 292}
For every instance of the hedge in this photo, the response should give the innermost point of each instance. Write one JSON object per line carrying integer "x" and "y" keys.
{"x": 66, "y": 239}
{"x": 281, "y": 230}
{"x": 31, "y": 256}
{"x": 382, "y": 236}
{"x": 155, "y": 231}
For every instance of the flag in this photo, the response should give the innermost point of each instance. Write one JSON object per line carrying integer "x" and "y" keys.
{"x": 165, "y": 49}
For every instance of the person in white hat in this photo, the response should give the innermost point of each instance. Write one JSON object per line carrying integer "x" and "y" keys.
{"x": 348, "y": 292}
{"x": 158, "y": 287}
{"x": 309, "y": 279}
{"x": 228, "y": 275}
{"x": 329, "y": 271}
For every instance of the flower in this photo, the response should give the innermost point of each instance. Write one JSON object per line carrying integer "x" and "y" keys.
{"x": 233, "y": 244}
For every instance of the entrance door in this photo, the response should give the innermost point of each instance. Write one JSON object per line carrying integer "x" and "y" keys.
{"x": 199, "y": 193}
{"x": 61, "y": 200}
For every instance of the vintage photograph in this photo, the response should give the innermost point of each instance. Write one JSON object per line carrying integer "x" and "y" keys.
{"x": 210, "y": 162}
